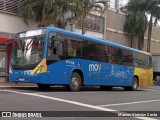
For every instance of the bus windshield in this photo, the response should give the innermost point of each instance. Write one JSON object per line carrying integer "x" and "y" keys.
{"x": 28, "y": 48}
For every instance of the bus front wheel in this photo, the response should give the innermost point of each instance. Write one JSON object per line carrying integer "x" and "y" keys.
{"x": 75, "y": 82}
{"x": 43, "y": 86}
{"x": 134, "y": 85}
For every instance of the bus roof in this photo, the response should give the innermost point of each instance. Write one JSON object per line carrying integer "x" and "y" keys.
{"x": 94, "y": 39}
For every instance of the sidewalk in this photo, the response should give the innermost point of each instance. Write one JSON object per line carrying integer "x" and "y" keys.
{"x": 152, "y": 87}
{"x": 9, "y": 84}
{"x": 4, "y": 84}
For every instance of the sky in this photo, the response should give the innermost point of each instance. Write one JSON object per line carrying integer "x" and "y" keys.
{"x": 121, "y": 3}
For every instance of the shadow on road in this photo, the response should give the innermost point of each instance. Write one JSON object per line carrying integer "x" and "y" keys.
{"x": 65, "y": 89}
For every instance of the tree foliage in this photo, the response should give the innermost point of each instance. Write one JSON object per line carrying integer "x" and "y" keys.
{"x": 145, "y": 8}
{"x": 47, "y": 12}
{"x": 39, "y": 10}
{"x": 82, "y": 8}
{"x": 136, "y": 25}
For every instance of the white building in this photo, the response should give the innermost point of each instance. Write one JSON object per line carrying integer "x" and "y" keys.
{"x": 117, "y": 4}
{"x": 11, "y": 22}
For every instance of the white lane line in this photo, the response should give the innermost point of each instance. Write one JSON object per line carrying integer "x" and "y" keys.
{"x": 16, "y": 86}
{"x": 61, "y": 100}
{"x": 129, "y": 103}
{"x": 73, "y": 102}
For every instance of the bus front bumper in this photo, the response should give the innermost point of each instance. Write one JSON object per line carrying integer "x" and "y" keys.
{"x": 27, "y": 79}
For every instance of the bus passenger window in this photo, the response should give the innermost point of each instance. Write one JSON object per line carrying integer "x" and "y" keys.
{"x": 51, "y": 46}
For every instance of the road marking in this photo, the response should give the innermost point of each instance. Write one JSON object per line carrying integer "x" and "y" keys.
{"x": 72, "y": 102}
{"x": 129, "y": 103}
{"x": 17, "y": 86}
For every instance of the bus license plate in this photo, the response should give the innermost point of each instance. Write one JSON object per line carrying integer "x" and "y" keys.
{"x": 21, "y": 79}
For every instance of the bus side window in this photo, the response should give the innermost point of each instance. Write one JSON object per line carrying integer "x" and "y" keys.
{"x": 51, "y": 46}
{"x": 54, "y": 50}
{"x": 52, "y": 53}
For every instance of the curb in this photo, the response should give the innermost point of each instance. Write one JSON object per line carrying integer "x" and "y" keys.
{"x": 14, "y": 85}
{"x": 152, "y": 87}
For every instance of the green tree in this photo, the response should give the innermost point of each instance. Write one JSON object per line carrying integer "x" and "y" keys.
{"x": 39, "y": 10}
{"x": 136, "y": 25}
{"x": 151, "y": 7}
{"x": 45, "y": 12}
{"x": 80, "y": 9}
{"x": 60, "y": 9}
{"x": 128, "y": 27}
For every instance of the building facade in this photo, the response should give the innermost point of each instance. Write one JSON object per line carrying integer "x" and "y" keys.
{"x": 114, "y": 32}
{"x": 107, "y": 27}
{"x": 11, "y": 21}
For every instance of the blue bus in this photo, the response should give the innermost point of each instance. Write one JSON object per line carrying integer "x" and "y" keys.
{"x": 51, "y": 56}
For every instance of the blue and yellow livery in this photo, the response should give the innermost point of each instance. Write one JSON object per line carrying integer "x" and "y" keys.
{"x": 51, "y": 56}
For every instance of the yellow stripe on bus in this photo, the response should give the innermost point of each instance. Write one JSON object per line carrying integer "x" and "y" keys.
{"x": 145, "y": 76}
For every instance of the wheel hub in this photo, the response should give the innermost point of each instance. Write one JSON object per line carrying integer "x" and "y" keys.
{"x": 74, "y": 82}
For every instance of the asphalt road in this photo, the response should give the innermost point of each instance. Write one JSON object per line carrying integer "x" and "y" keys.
{"x": 91, "y": 102}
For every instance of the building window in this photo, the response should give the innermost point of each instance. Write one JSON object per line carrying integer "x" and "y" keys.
{"x": 92, "y": 22}
{"x": 9, "y": 6}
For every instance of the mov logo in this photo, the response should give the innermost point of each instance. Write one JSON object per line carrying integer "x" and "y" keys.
{"x": 95, "y": 67}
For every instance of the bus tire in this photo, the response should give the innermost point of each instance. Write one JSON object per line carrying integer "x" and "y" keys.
{"x": 43, "y": 86}
{"x": 108, "y": 88}
{"x": 134, "y": 85}
{"x": 75, "y": 82}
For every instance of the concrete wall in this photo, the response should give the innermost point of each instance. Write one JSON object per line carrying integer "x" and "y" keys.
{"x": 90, "y": 33}
{"x": 155, "y": 41}
{"x": 115, "y": 22}
{"x": 114, "y": 32}
{"x": 11, "y": 24}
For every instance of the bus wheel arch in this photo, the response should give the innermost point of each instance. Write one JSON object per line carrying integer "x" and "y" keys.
{"x": 77, "y": 79}
{"x": 80, "y": 72}
{"x": 136, "y": 76}
{"x": 135, "y": 84}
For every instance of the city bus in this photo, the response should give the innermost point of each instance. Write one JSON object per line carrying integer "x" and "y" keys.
{"x": 50, "y": 56}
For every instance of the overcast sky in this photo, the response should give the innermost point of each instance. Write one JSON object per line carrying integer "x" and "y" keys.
{"x": 123, "y": 2}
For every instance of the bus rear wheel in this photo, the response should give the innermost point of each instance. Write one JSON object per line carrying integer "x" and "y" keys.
{"x": 75, "y": 82}
{"x": 43, "y": 86}
{"x": 134, "y": 85}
